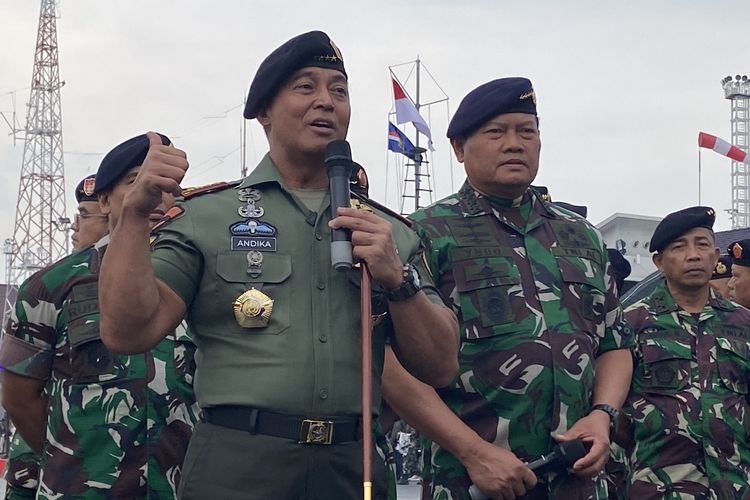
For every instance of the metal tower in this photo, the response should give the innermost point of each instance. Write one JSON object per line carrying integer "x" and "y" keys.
{"x": 40, "y": 234}
{"x": 418, "y": 175}
{"x": 737, "y": 90}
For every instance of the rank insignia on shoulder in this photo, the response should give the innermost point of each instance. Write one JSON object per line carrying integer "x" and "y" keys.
{"x": 359, "y": 205}
{"x": 172, "y": 214}
{"x": 192, "y": 192}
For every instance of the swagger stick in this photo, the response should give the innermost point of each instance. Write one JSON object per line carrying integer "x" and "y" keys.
{"x": 365, "y": 306}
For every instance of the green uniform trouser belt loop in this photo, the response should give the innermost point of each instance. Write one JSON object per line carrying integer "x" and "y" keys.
{"x": 324, "y": 430}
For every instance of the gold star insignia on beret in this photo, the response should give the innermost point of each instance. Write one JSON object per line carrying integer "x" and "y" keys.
{"x": 736, "y": 250}
{"x": 528, "y": 94}
{"x": 721, "y": 268}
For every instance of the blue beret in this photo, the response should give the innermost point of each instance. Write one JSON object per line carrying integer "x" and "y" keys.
{"x": 122, "y": 158}
{"x": 723, "y": 268}
{"x": 678, "y": 223}
{"x": 740, "y": 252}
{"x": 309, "y": 49}
{"x": 505, "y": 95}
{"x": 85, "y": 190}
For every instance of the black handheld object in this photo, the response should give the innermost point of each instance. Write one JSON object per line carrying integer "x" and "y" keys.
{"x": 561, "y": 457}
{"x": 339, "y": 165}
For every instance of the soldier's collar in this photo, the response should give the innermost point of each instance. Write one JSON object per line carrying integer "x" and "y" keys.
{"x": 103, "y": 242}
{"x": 660, "y": 300}
{"x": 476, "y": 203}
{"x": 718, "y": 301}
{"x": 264, "y": 172}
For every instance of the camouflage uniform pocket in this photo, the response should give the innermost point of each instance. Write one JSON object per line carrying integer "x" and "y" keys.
{"x": 666, "y": 365}
{"x": 732, "y": 360}
{"x": 484, "y": 287}
{"x": 584, "y": 293}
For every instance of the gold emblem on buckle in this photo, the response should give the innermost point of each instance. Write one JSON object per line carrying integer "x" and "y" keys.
{"x": 318, "y": 432}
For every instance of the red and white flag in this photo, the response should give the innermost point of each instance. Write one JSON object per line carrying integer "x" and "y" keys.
{"x": 406, "y": 111}
{"x": 722, "y": 147}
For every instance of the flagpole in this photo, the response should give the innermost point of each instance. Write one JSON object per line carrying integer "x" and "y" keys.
{"x": 417, "y": 164}
{"x": 699, "y": 175}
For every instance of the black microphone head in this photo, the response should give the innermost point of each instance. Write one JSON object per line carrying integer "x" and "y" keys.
{"x": 338, "y": 150}
{"x": 570, "y": 451}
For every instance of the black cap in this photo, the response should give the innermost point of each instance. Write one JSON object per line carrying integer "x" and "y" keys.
{"x": 581, "y": 210}
{"x": 740, "y": 252}
{"x": 506, "y": 95}
{"x": 314, "y": 48}
{"x": 122, "y": 158}
{"x": 620, "y": 265}
{"x": 723, "y": 268}
{"x": 678, "y": 223}
{"x": 85, "y": 189}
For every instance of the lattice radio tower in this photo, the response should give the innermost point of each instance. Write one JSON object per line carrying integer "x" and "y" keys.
{"x": 40, "y": 233}
{"x": 737, "y": 91}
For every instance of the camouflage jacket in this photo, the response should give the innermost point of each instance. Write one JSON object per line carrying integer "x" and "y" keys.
{"x": 688, "y": 402}
{"x": 536, "y": 301}
{"x": 117, "y": 425}
{"x": 21, "y": 470}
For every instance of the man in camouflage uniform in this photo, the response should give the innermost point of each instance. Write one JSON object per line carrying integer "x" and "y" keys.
{"x": 89, "y": 225}
{"x": 739, "y": 267}
{"x": 538, "y": 315}
{"x": 688, "y": 402}
{"x": 116, "y": 426}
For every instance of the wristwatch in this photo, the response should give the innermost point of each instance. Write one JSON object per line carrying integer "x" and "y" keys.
{"x": 408, "y": 288}
{"x": 613, "y": 414}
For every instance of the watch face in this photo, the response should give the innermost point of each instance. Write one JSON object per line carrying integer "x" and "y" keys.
{"x": 414, "y": 275}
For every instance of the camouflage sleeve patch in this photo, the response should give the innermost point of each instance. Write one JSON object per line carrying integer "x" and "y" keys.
{"x": 24, "y": 358}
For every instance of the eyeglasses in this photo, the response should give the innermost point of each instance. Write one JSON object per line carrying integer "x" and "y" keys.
{"x": 78, "y": 217}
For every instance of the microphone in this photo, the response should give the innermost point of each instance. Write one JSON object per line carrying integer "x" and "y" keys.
{"x": 339, "y": 164}
{"x": 562, "y": 456}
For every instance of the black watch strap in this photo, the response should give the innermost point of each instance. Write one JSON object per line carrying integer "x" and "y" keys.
{"x": 408, "y": 288}
{"x": 613, "y": 413}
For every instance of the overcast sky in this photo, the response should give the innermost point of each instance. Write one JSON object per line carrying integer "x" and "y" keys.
{"x": 623, "y": 88}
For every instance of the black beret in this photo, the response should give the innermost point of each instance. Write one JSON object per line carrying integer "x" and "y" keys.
{"x": 581, "y": 210}
{"x": 620, "y": 265}
{"x": 314, "y": 48}
{"x": 740, "y": 252}
{"x": 505, "y": 95}
{"x": 85, "y": 189}
{"x": 122, "y": 158}
{"x": 723, "y": 268}
{"x": 678, "y": 223}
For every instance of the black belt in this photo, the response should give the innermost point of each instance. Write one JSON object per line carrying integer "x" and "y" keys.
{"x": 300, "y": 429}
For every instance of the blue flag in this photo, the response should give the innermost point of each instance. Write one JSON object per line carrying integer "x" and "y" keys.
{"x": 398, "y": 142}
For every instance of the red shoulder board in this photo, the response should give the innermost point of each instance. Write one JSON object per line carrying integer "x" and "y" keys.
{"x": 383, "y": 208}
{"x": 191, "y": 192}
{"x": 171, "y": 214}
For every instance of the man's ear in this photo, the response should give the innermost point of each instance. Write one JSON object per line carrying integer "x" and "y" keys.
{"x": 458, "y": 148}
{"x": 656, "y": 259}
{"x": 263, "y": 117}
{"x": 104, "y": 205}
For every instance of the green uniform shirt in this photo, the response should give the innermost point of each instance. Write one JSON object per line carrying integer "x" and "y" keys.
{"x": 689, "y": 399}
{"x": 306, "y": 360}
{"x": 536, "y": 302}
{"x": 117, "y": 425}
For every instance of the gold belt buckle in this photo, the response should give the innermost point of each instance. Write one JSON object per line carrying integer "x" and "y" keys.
{"x": 316, "y": 432}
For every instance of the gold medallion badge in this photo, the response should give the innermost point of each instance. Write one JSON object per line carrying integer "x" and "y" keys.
{"x": 253, "y": 309}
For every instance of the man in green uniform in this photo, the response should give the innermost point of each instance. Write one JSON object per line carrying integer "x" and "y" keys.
{"x": 107, "y": 425}
{"x": 277, "y": 328}
{"x": 89, "y": 225}
{"x": 543, "y": 353}
{"x": 688, "y": 403}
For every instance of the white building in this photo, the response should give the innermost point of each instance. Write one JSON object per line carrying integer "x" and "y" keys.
{"x": 630, "y": 234}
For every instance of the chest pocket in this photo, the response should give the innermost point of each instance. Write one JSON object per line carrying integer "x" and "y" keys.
{"x": 90, "y": 360}
{"x": 733, "y": 360}
{"x": 232, "y": 268}
{"x": 485, "y": 288}
{"x": 583, "y": 292}
{"x": 666, "y": 365}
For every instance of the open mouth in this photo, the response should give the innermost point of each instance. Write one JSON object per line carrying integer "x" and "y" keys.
{"x": 155, "y": 216}
{"x": 322, "y": 124}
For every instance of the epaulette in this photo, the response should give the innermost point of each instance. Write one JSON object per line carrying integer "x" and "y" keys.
{"x": 192, "y": 192}
{"x": 171, "y": 214}
{"x": 382, "y": 208}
